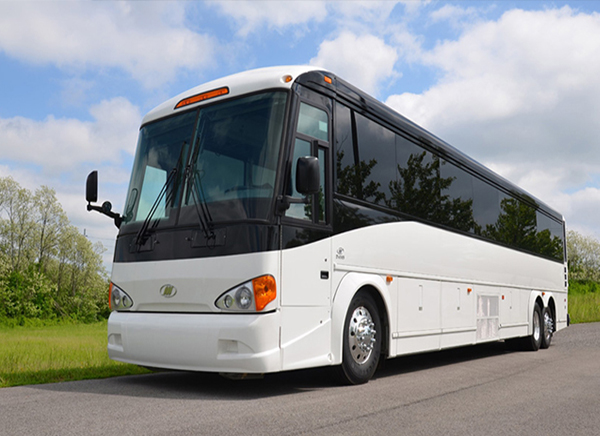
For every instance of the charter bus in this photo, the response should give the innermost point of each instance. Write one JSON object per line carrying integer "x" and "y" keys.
{"x": 282, "y": 218}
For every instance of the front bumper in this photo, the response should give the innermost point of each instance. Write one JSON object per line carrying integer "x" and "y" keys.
{"x": 233, "y": 343}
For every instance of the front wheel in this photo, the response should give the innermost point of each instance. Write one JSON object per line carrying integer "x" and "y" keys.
{"x": 362, "y": 333}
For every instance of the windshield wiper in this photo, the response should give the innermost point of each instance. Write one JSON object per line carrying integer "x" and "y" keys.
{"x": 143, "y": 233}
{"x": 194, "y": 186}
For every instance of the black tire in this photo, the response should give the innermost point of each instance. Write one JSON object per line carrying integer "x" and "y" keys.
{"x": 362, "y": 337}
{"x": 534, "y": 341}
{"x": 547, "y": 328}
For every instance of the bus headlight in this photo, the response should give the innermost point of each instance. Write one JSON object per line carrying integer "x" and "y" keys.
{"x": 243, "y": 298}
{"x": 118, "y": 298}
{"x": 254, "y": 295}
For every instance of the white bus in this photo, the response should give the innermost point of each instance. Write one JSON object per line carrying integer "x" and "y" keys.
{"x": 281, "y": 218}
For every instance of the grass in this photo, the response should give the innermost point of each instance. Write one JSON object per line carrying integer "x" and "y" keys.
{"x": 584, "y": 307}
{"x": 584, "y": 301}
{"x": 49, "y": 354}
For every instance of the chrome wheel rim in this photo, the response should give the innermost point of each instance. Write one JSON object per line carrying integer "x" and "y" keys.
{"x": 548, "y": 326}
{"x": 361, "y": 335}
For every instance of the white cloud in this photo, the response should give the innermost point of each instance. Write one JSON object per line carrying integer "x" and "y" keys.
{"x": 362, "y": 11}
{"x": 365, "y": 61}
{"x": 583, "y": 207}
{"x": 252, "y": 15}
{"x": 456, "y": 16}
{"x": 522, "y": 95}
{"x": 61, "y": 144}
{"x": 146, "y": 39}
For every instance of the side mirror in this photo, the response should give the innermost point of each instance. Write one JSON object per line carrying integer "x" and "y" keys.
{"x": 308, "y": 175}
{"x": 91, "y": 196}
{"x": 91, "y": 187}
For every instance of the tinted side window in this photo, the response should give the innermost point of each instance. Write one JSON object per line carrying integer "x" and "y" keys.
{"x": 313, "y": 122}
{"x": 346, "y": 181}
{"x": 486, "y": 206}
{"x": 456, "y": 197}
{"x": 376, "y": 166}
{"x": 549, "y": 236}
{"x": 416, "y": 189}
{"x": 298, "y": 210}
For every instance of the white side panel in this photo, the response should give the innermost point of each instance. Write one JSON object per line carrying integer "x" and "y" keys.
{"x": 458, "y": 315}
{"x": 412, "y": 249}
{"x": 514, "y": 312}
{"x": 306, "y": 275}
{"x": 305, "y": 337}
{"x": 419, "y": 324}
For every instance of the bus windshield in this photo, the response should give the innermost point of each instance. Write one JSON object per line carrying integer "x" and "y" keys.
{"x": 216, "y": 163}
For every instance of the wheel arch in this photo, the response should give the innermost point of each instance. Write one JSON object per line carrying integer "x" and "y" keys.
{"x": 351, "y": 285}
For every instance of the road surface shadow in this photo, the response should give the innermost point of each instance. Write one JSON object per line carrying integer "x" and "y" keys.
{"x": 196, "y": 385}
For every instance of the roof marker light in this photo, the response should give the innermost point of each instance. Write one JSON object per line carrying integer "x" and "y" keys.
{"x": 328, "y": 79}
{"x": 287, "y": 78}
{"x": 203, "y": 96}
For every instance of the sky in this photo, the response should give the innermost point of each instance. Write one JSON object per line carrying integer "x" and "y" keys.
{"x": 514, "y": 84}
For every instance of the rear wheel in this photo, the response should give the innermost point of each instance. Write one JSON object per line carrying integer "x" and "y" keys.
{"x": 547, "y": 328}
{"x": 533, "y": 342}
{"x": 362, "y": 337}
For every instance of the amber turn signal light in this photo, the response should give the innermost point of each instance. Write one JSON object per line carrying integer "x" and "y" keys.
{"x": 265, "y": 291}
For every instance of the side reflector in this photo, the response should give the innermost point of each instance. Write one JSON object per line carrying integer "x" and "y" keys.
{"x": 469, "y": 290}
{"x": 201, "y": 97}
{"x": 328, "y": 79}
{"x": 389, "y": 279}
{"x": 265, "y": 291}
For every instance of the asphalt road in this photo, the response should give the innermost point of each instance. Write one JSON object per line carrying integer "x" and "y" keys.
{"x": 483, "y": 390}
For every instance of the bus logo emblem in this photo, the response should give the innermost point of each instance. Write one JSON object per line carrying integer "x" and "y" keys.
{"x": 339, "y": 254}
{"x": 168, "y": 291}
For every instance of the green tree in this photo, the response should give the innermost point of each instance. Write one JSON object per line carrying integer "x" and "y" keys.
{"x": 18, "y": 225}
{"x": 51, "y": 220}
{"x": 47, "y": 268}
{"x": 583, "y": 253}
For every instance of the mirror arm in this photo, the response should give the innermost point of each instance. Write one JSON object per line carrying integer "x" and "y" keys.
{"x": 106, "y": 211}
{"x": 285, "y": 201}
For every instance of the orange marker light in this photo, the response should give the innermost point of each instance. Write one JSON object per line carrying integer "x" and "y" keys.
{"x": 389, "y": 279}
{"x": 328, "y": 79}
{"x": 286, "y": 79}
{"x": 469, "y": 290}
{"x": 265, "y": 291}
{"x": 201, "y": 97}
